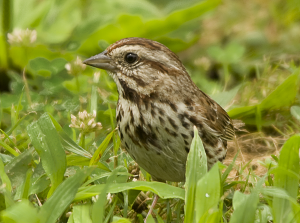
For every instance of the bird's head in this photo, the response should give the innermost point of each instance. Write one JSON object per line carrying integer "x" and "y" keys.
{"x": 141, "y": 64}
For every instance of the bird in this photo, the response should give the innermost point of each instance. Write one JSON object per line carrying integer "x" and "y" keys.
{"x": 158, "y": 107}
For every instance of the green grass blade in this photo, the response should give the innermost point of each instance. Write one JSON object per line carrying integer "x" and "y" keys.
{"x": 4, "y": 178}
{"x": 26, "y": 185}
{"x": 19, "y": 108}
{"x": 62, "y": 197}
{"x": 196, "y": 167}
{"x": 163, "y": 190}
{"x": 75, "y": 160}
{"x": 7, "y": 137}
{"x": 6, "y": 185}
{"x": 8, "y": 148}
{"x": 99, "y": 206}
{"x": 208, "y": 195}
{"x": 46, "y": 142}
{"x": 229, "y": 168}
{"x": 18, "y": 123}
{"x": 99, "y": 152}
{"x": 289, "y": 160}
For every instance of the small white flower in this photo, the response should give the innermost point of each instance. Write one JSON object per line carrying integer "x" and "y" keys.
{"x": 91, "y": 122}
{"x": 23, "y": 37}
{"x": 94, "y": 113}
{"x": 96, "y": 77}
{"x": 109, "y": 197}
{"x": 85, "y": 122}
{"x": 82, "y": 125}
{"x": 76, "y": 67}
{"x": 68, "y": 67}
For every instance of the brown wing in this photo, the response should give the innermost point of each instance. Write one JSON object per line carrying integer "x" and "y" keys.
{"x": 218, "y": 119}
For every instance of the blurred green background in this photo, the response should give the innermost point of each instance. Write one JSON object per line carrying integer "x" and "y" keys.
{"x": 224, "y": 45}
{"x": 244, "y": 54}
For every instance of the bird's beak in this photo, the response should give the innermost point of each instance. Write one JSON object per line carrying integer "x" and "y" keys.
{"x": 102, "y": 61}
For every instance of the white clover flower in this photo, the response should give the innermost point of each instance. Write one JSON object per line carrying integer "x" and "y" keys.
{"x": 23, "y": 37}
{"x": 76, "y": 67}
{"x": 85, "y": 122}
{"x": 96, "y": 77}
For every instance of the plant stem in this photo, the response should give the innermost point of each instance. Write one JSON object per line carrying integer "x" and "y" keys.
{"x": 82, "y": 140}
{"x": 226, "y": 75}
{"x": 6, "y": 27}
{"x": 77, "y": 83}
{"x": 26, "y": 88}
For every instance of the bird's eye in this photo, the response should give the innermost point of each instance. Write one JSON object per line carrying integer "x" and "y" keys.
{"x": 131, "y": 57}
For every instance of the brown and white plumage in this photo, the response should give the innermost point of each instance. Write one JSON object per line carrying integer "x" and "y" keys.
{"x": 158, "y": 106}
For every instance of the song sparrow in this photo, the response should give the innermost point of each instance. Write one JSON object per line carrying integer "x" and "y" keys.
{"x": 158, "y": 106}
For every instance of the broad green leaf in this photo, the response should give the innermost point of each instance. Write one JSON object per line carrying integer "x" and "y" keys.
{"x": 129, "y": 25}
{"x": 196, "y": 167}
{"x": 81, "y": 213}
{"x": 264, "y": 214}
{"x": 225, "y": 97}
{"x": 39, "y": 65}
{"x": 231, "y": 53}
{"x": 70, "y": 219}
{"x": 289, "y": 160}
{"x": 46, "y": 142}
{"x": 67, "y": 142}
{"x": 245, "y": 205}
{"x": 175, "y": 19}
{"x": 39, "y": 184}
{"x": 163, "y": 190}
{"x": 23, "y": 55}
{"x": 62, "y": 197}
{"x": 283, "y": 95}
{"x": 208, "y": 193}
{"x": 124, "y": 173}
{"x": 25, "y": 20}
{"x": 150, "y": 219}
{"x": 39, "y": 180}
{"x": 16, "y": 171}
{"x": 5, "y": 158}
{"x": 295, "y": 111}
{"x": 21, "y": 212}
{"x": 278, "y": 193}
{"x": 238, "y": 199}
{"x": 120, "y": 220}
